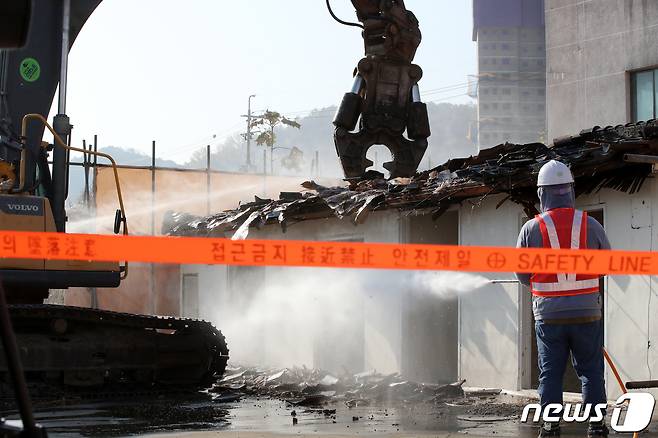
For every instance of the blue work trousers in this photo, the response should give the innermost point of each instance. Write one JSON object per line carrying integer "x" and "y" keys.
{"x": 585, "y": 343}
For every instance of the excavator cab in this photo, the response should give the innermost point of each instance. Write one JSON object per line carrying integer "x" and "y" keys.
{"x": 26, "y": 204}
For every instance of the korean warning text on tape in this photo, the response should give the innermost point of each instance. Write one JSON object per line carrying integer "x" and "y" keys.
{"x": 195, "y": 250}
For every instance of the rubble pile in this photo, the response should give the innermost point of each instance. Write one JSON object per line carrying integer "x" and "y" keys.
{"x": 312, "y": 387}
{"x": 595, "y": 156}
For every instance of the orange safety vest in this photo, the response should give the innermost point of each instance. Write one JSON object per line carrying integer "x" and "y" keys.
{"x": 564, "y": 228}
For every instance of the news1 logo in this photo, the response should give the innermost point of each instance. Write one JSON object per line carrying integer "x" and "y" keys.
{"x": 639, "y": 409}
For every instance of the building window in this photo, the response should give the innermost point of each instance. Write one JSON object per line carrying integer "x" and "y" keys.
{"x": 485, "y": 106}
{"x": 507, "y": 106}
{"x": 506, "y": 61}
{"x": 643, "y": 94}
{"x": 507, "y": 91}
{"x": 505, "y": 46}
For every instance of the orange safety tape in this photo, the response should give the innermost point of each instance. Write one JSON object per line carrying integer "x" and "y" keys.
{"x": 216, "y": 251}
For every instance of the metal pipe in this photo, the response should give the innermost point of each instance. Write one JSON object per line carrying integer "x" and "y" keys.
{"x": 504, "y": 281}
{"x": 66, "y": 21}
{"x": 637, "y": 158}
{"x": 15, "y": 368}
{"x": 415, "y": 93}
{"x": 357, "y": 84}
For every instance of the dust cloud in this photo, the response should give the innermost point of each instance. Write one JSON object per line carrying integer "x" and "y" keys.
{"x": 140, "y": 208}
{"x": 314, "y": 317}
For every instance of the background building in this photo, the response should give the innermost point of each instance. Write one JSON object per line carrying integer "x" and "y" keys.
{"x": 512, "y": 70}
{"x": 602, "y": 59}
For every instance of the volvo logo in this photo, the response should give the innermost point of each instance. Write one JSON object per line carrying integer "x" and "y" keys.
{"x": 23, "y": 207}
{"x": 27, "y": 206}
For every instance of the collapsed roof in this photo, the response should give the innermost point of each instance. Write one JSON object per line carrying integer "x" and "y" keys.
{"x": 615, "y": 157}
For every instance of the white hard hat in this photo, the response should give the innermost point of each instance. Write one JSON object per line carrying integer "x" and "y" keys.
{"x": 554, "y": 173}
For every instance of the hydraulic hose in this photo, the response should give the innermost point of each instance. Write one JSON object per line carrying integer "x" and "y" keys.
{"x": 59, "y": 142}
{"x": 619, "y": 381}
{"x": 346, "y": 23}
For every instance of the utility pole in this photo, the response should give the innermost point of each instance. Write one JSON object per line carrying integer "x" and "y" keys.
{"x": 248, "y": 116}
{"x": 152, "y": 300}
{"x": 208, "y": 180}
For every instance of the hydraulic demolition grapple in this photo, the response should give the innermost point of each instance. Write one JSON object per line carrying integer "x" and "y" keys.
{"x": 385, "y": 98}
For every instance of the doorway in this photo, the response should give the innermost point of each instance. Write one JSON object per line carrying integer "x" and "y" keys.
{"x": 531, "y": 379}
{"x": 430, "y": 324}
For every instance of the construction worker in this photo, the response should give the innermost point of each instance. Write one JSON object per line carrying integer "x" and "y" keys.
{"x": 566, "y": 307}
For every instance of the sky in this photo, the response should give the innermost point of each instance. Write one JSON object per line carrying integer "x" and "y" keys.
{"x": 154, "y": 70}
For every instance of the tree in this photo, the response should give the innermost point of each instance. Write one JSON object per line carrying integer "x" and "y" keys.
{"x": 263, "y": 127}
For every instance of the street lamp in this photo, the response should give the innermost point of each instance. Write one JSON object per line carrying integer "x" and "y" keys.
{"x": 249, "y": 132}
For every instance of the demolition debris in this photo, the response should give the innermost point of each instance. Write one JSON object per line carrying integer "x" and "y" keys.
{"x": 615, "y": 157}
{"x": 312, "y": 387}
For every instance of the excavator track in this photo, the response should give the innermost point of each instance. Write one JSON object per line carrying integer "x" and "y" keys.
{"x": 81, "y": 349}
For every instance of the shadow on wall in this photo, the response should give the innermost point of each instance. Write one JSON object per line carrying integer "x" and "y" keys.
{"x": 492, "y": 315}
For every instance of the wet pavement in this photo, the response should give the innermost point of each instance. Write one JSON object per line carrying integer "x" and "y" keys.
{"x": 259, "y": 403}
{"x": 490, "y": 416}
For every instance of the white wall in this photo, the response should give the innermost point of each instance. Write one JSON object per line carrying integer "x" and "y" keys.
{"x": 631, "y": 302}
{"x": 489, "y": 317}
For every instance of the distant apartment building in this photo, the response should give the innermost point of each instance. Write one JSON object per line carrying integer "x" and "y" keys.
{"x": 511, "y": 71}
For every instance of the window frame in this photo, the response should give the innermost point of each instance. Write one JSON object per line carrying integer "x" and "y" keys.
{"x": 633, "y": 93}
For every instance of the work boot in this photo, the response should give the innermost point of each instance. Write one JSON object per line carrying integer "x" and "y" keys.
{"x": 549, "y": 429}
{"x": 597, "y": 429}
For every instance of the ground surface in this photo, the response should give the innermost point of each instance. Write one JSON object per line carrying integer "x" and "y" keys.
{"x": 251, "y": 417}
{"x": 263, "y": 403}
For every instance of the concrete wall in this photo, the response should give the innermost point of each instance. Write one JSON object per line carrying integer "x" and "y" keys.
{"x": 489, "y": 317}
{"x": 591, "y": 46}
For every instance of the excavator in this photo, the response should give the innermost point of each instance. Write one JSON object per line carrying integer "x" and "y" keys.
{"x": 68, "y": 346}
{"x": 90, "y": 349}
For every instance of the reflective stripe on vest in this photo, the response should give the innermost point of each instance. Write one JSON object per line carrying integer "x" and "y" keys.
{"x": 566, "y": 284}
